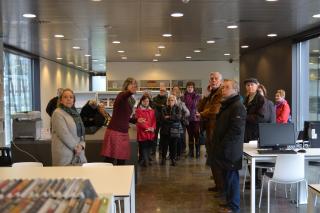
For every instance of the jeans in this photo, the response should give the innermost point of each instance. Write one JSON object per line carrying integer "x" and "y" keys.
{"x": 233, "y": 190}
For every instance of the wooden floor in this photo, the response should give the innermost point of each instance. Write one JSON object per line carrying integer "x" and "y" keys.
{"x": 183, "y": 188}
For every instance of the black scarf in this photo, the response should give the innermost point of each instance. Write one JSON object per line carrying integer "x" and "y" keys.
{"x": 77, "y": 119}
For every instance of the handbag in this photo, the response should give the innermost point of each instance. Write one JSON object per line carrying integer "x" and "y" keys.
{"x": 176, "y": 130}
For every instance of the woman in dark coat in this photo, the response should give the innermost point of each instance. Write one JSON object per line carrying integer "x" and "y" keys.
{"x": 171, "y": 116}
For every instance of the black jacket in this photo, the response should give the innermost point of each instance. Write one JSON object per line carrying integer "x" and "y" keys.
{"x": 91, "y": 116}
{"x": 175, "y": 117}
{"x": 228, "y": 135}
{"x": 52, "y": 105}
{"x": 259, "y": 110}
{"x": 159, "y": 102}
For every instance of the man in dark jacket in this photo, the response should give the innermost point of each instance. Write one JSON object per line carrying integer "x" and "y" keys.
{"x": 52, "y": 105}
{"x": 228, "y": 143}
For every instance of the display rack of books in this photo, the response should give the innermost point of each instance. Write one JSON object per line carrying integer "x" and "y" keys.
{"x": 182, "y": 85}
{"x": 51, "y": 195}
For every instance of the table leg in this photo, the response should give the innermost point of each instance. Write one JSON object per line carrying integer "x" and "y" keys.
{"x": 253, "y": 185}
{"x": 311, "y": 197}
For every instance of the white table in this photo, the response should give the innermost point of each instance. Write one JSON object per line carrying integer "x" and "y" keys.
{"x": 250, "y": 152}
{"x": 313, "y": 191}
{"x": 116, "y": 180}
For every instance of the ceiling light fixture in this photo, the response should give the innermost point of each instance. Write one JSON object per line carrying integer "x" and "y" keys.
{"x": 58, "y": 36}
{"x": 271, "y": 0}
{"x": 226, "y": 54}
{"x": 188, "y": 57}
{"x": 59, "y": 58}
{"x": 120, "y": 51}
{"x": 124, "y": 58}
{"x": 95, "y": 0}
{"x": 315, "y": 51}
{"x": 95, "y": 60}
{"x": 70, "y": 62}
{"x": 167, "y": 35}
{"x": 197, "y": 51}
{"x": 161, "y": 47}
{"x": 176, "y": 15}
{"x": 232, "y": 27}
{"x": 116, "y": 42}
{"x": 244, "y": 46}
{"x": 29, "y": 15}
{"x": 316, "y": 16}
{"x": 155, "y": 60}
{"x": 157, "y": 54}
{"x": 211, "y": 41}
{"x": 272, "y": 35}
{"x": 79, "y": 66}
{"x": 76, "y": 47}
{"x": 87, "y": 55}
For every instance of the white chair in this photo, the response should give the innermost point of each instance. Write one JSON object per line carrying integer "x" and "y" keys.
{"x": 27, "y": 164}
{"x": 96, "y": 164}
{"x": 289, "y": 169}
{"x": 102, "y": 164}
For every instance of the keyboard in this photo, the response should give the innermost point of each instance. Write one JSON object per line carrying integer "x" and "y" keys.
{"x": 285, "y": 151}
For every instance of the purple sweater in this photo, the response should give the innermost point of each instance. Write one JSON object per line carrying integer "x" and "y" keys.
{"x": 121, "y": 113}
{"x": 191, "y": 100}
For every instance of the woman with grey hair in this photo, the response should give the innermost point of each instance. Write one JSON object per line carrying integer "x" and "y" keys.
{"x": 116, "y": 147}
{"x": 171, "y": 129}
{"x": 67, "y": 132}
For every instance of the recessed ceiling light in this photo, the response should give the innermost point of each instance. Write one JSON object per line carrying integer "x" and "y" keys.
{"x": 95, "y": 60}
{"x": 76, "y": 47}
{"x": 29, "y": 15}
{"x": 59, "y": 58}
{"x": 211, "y": 41}
{"x": 177, "y": 15}
{"x": 272, "y": 35}
{"x": 166, "y": 35}
{"x": 226, "y": 54}
{"x": 232, "y": 27}
{"x": 155, "y": 60}
{"x": 188, "y": 57}
{"x": 271, "y": 0}
{"x": 121, "y": 51}
{"x": 157, "y": 54}
{"x": 70, "y": 62}
{"x": 79, "y": 66}
{"x": 244, "y": 46}
{"x": 116, "y": 42}
{"x": 95, "y": 0}
{"x": 316, "y": 16}
{"x": 124, "y": 58}
{"x": 161, "y": 47}
{"x": 58, "y": 36}
{"x": 315, "y": 51}
{"x": 197, "y": 51}
{"x": 87, "y": 55}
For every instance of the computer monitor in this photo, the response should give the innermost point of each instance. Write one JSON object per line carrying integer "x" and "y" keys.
{"x": 309, "y": 128}
{"x": 276, "y": 136}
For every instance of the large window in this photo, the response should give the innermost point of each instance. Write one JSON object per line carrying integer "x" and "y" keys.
{"x": 314, "y": 79}
{"x": 18, "y": 75}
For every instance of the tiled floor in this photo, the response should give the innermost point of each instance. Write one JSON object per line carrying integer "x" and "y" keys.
{"x": 183, "y": 188}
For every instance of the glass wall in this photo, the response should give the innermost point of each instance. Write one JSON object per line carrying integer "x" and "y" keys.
{"x": 18, "y": 75}
{"x": 314, "y": 79}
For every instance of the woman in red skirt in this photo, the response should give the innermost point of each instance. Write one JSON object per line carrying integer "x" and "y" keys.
{"x": 116, "y": 147}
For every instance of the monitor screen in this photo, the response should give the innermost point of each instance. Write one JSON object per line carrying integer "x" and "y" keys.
{"x": 306, "y": 128}
{"x": 273, "y": 135}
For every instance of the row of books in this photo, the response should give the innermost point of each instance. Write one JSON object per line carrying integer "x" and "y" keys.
{"x": 44, "y": 205}
{"x": 47, "y": 188}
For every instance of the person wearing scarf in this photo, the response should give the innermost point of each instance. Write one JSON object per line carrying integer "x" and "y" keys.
{"x": 282, "y": 107}
{"x": 68, "y": 145}
{"x": 116, "y": 148}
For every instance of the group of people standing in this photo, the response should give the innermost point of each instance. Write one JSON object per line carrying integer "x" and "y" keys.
{"x": 227, "y": 119}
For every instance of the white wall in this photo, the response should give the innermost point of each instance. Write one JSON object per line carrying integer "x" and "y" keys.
{"x": 185, "y": 70}
{"x": 53, "y": 76}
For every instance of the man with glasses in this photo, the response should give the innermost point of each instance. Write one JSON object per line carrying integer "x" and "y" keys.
{"x": 208, "y": 108}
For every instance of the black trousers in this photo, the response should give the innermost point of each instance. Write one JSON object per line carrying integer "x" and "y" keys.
{"x": 167, "y": 141}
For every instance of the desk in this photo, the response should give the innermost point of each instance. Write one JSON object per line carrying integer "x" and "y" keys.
{"x": 116, "y": 180}
{"x": 250, "y": 152}
{"x": 313, "y": 191}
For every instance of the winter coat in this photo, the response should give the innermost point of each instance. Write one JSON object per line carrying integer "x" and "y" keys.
{"x": 228, "y": 135}
{"x": 259, "y": 110}
{"x": 65, "y": 139}
{"x": 208, "y": 108}
{"x": 159, "y": 102}
{"x": 175, "y": 118}
{"x": 283, "y": 112}
{"x": 150, "y": 121}
{"x": 191, "y": 100}
{"x": 185, "y": 113}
